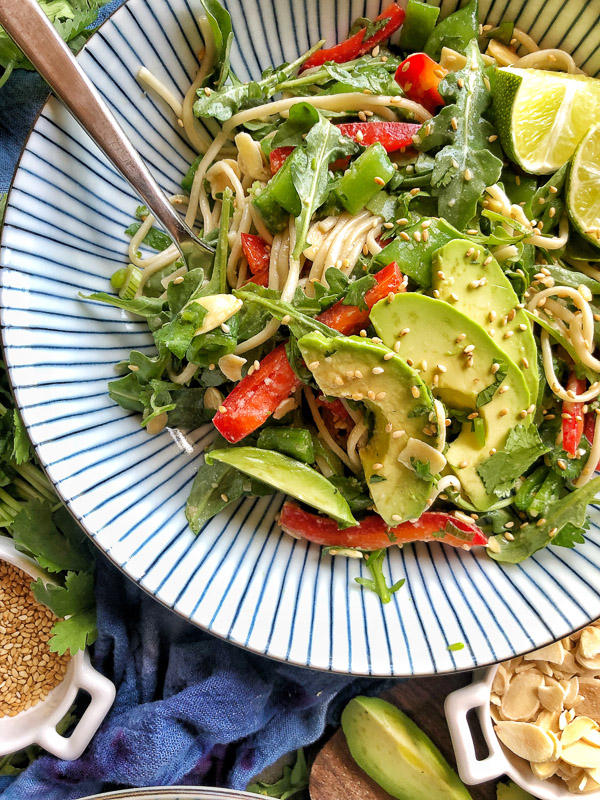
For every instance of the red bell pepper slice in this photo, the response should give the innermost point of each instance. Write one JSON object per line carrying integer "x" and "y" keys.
{"x": 260, "y": 278}
{"x": 355, "y": 46}
{"x": 350, "y": 319}
{"x": 335, "y": 406}
{"x": 391, "y": 135}
{"x": 373, "y": 533}
{"x": 277, "y": 158}
{"x": 420, "y": 77}
{"x": 257, "y": 252}
{"x": 254, "y": 398}
{"x": 590, "y": 428}
{"x": 572, "y": 425}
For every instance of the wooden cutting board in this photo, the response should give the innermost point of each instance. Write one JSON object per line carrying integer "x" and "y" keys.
{"x": 336, "y": 775}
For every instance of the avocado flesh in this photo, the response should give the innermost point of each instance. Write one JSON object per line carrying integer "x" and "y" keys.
{"x": 497, "y": 295}
{"x": 396, "y": 753}
{"x": 403, "y": 494}
{"x": 433, "y": 330}
{"x": 510, "y": 791}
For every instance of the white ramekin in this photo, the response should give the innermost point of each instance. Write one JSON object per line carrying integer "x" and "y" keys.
{"x": 37, "y": 725}
{"x": 500, "y": 761}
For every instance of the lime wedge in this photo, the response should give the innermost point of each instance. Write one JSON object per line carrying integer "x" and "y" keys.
{"x": 583, "y": 187}
{"x": 542, "y": 116}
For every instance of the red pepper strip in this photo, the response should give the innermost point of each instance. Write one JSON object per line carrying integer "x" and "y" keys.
{"x": 277, "y": 158}
{"x": 373, "y": 533}
{"x": 257, "y": 252}
{"x": 350, "y": 319}
{"x": 336, "y": 407}
{"x": 253, "y": 400}
{"x": 396, "y": 16}
{"x": 391, "y": 135}
{"x": 589, "y": 429}
{"x": 354, "y": 46}
{"x": 259, "y": 278}
{"x": 572, "y": 425}
{"x": 420, "y": 77}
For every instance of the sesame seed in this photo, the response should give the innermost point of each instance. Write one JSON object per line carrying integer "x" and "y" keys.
{"x": 380, "y": 395}
{"x": 552, "y": 532}
{"x": 398, "y": 434}
{"x": 396, "y": 347}
{"x": 402, "y": 221}
{"x": 417, "y": 236}
{"x": 371, "y": 394}
{"x": 463, "y": 464}
{"x": 503, "y": 389}
{"x": 379, "y": 181}
{"x": 404, "y": 236}
{"x": 460, "y": 83}
{"x": 508, "y": 334}
{"x": 222, "y": 410}
{"x": 454, "y": 123}
{"x": 487, "y": 261}
{"x": 178, "y": 280}
{"x": 423, "y": 366}
{"x": 207, "y": 91}
{"x": 358, "y": 374}
{"x": 454, "y": 297}
{"x": 531, "y": 408}
{"x": 387, "y": 356}
{"x": 313, "y": 365}
{"x": 133, "y": 367}
{"x": 339, "y": 381}
{"x": 469, "y": 349}
{"x": 461, "y": 337}
{"x": 467, "y": 175}
{"x": 365, "y": 249}
{"x": 405, "y": 66}
{"x": 540, "y": 522}
{"x": 493, "y": 451}
{"x": 425, "y": 235}
{"x": 387, "y": 225}
{"x": 404, "y": 332}
{"x": 504, "y": 412}
{"x": 494, "y": 368}
{"x": 492, "y": 138}
{"x": 470, "y": 252}
{"x": 396, "y": 517}
{"x": 416, "y": 190}
{"x": 362, "y": 116}
{"x": 377, "y": 466}
{"x": 455, "y": 163}
{"x": 377, "y": 370}
{"x": 415, "y": 391}
{"x": 441, "y": 368}
{"x": 376, "y": 339}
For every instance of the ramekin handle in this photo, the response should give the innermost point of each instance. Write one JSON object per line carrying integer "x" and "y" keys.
{"x": 102, "y": 693}
{"x": 458, "y": 704}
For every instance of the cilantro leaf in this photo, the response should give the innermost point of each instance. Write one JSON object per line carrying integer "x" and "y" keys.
{"x": 570, "y": 535}
{"x": 464, "y": 165}
{"x": 76, "y": 596}
{"x": 14, "y": 441}
{"x": 570, "y": 512}
{"x": 486, "y": 395}
{"x": 523, "y": 447}
{"x": 35, "y": 532}
{"x": 422, "y": 469}
{"x": 377, "y": 583}
{"x": 75, "y": 633}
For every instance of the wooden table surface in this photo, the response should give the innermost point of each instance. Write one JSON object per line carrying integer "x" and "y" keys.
{"x": 334, "y": 773}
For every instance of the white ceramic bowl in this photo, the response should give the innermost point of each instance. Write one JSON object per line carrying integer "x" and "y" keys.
{"x": 500, "y": 761}
{"x": 173, "y": 793}
{"x": 241, "y": 578}
{"x": 37, "y": 725}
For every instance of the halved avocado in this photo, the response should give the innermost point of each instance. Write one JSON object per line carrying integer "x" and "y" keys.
{"x": 355, "y": 368}
{"x": 396, "y": 753}
{"x": 476, "y": 285}
{"x": 446, "y": 345}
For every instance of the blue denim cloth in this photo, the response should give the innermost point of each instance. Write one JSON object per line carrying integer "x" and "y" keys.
{"x": 190, "y": 709}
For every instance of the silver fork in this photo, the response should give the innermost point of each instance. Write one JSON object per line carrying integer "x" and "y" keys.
{"x": 31, "y": 30}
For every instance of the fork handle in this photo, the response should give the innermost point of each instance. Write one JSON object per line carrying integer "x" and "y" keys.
{"x": 32, "y": 31}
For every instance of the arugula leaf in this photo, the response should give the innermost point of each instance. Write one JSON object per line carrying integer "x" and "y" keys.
{"x": 486, "y": 395}
{"x": 221, "y": 28}
{"x": 291, "y": 133}
{"x": 310, "y": 171}
{"x": 465, "y": 164}
{"x": 523, "y": 447}
{"x": 189, "y": 411}
{"x": 213, "y": 483}
{"x": 377, "y": 583}
{"x": 456, "y": 31}
{"x": 155, "y": 238}
{"x": 293, "y": 781}
{"x": 502, "y": 32}
{"x": 141, "y": 306}
{"x": 299, "y": 323}
{"x": 296, "y": 360}
{"x": 570, "y": 512}
{"x": 355, "y": 296}
{"x": 231, "y": 98}
{"x": 35, "y": 532}
{"x": 549, "y": 197}
{"x": 354, "y": 492}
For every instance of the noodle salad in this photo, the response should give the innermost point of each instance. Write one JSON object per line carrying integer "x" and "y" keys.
{"x": 398, "y": 328}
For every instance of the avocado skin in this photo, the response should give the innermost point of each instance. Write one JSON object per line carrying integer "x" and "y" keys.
{"x": 396, "y": 754}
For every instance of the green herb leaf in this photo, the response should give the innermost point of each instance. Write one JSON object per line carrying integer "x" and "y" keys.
{"x": 35, "y": 532}
{"x": 422, "y": 469}
{"x": 75, "y": 633}
{"x": 377, "y": 583}
{"x": 571, "y": 511}
{"x": 456, "y": 31}
{"x": 355, "y": 296}
{"x": 212, "y": 483}
{"x": 141, "y": 306}
{"x": 222, "y": 31}
{"x": 569, "y": 536}
{"x": 502, "y": 32}
{"x": 523, "y": 447}
{"x": 465, "y": 164}
{"x": 486, "y": 395}
{"x": 290, "y": 785}
{"x": 310, "y": 171}
{"x": 76, "y": 596}
{"x": 155, "y": 238}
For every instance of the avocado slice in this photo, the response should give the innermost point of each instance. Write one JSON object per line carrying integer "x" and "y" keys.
{"x": 288, "y": 476}
{"x": 355, "y": 368}
{"x": 456, "y": 267}
{"x": 396, "y": 753}
{"x": 510, "y": 791}
{"x": 433, "y": 333}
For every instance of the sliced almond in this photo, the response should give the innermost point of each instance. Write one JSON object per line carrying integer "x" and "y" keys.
{"x": 579, "y": 754}
{"x": 590, "y": 705}
{"x": 521, "y": 701}
{"x": 551, "y": 698}
{"x": 557, "y": 745}
{"x": 571, "y": 689}
{"x": 592, "y": 665}
{"x": 562, "y": 721}
{"x": 589, "y": 643}
{"x": 592, "y": 737}
{"x": 495, "y": 699}
{"x": 544, "y": 771}
{"x": 555, "y": 653}
{"x": 501, "y": 680}
{"x": 594, "y": 775}
{"x": 592, "y": 785}
{"x": 495, "y": 714}
{"x": 548, "y": 721}
{"x": 526, "y": 740}
{"x": 576, "y": 729}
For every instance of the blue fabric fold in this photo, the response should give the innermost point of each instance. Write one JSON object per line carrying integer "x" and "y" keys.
{"x": 190, "y": 709}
